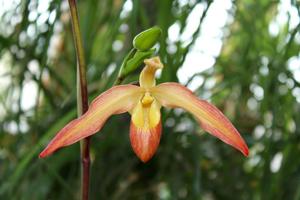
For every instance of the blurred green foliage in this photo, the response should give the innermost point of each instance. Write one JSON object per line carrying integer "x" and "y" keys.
{"x": 253, "y": 81}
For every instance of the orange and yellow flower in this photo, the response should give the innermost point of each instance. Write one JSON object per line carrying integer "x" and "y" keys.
{"x": 144, "y": 103}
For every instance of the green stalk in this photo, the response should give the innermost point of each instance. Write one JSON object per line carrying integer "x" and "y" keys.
{"x": 82, "y": 99}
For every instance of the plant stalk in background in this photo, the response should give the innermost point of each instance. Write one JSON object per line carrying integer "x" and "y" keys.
{"x": 82, "y": 99}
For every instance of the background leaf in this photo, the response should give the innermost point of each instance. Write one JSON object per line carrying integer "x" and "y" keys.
{"x": 253, "y": 78}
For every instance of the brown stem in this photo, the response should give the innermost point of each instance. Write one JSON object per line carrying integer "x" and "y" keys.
{"x": 82, "y": 99}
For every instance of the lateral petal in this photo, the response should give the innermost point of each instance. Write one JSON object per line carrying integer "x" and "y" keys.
{"x": 118, "y": 99}
{"x": 210, "y": 117}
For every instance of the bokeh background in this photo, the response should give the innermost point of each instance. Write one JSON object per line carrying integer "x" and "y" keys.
{"x": 241, "y": 55}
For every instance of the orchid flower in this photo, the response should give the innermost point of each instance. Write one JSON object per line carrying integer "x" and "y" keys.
{"x": 144, "y": 103}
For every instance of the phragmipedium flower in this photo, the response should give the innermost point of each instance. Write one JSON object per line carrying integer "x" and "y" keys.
{"x": 144, "y": 103}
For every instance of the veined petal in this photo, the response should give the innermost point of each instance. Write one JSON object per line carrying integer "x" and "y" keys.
{"x": 145, "y": 128}
{"x": 211, "y": 119}
{"x": 144, "y": 141}
{"x": 118, "y": 99}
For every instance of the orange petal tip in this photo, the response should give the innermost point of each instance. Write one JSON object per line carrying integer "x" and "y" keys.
{"x": 43, "y": 154}
{"x": 245, "y": 150}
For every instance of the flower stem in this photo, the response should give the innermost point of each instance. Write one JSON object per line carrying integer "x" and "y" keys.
{"x": 82, "y": 99}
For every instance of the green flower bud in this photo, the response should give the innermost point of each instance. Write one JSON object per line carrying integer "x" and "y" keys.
{"x": 147, "y": 39}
